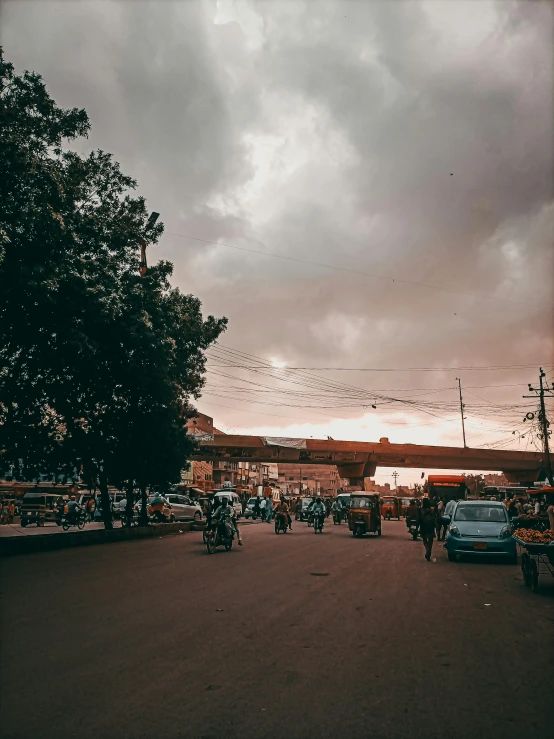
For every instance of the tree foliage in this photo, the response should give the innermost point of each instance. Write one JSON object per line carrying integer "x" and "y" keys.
{"x": 97, "y": 364}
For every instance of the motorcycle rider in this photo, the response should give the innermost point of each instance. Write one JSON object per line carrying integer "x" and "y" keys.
{"x": 310, "y": 512}
{"x": 226, "y": 514}
{"x": 318, "y": 509}
{"x": 73, "y": 510}
{"x": 283, "y": 510}
{"x": 412, "y": 514}
{"x": 338, "y": 508}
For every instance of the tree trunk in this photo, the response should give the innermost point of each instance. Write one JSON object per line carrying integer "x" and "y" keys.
{"x": 105, "y": 501}
{"x": 143, "y": 506}
{"x": 130, "y": 501}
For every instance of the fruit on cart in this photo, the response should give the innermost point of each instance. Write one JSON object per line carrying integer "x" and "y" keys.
{"x": 530, "y": 536}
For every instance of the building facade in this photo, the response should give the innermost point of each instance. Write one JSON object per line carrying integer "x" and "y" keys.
{"x": 308, "y": 479}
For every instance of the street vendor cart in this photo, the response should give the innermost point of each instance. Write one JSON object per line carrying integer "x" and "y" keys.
{"x": 537, "y": 558}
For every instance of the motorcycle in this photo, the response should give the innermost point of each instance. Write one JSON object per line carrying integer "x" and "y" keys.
{"x": 338, "y": 517}
{"x": 412, "y": 529}
{"x": 318, "y": 523}
{"x": 128, "y": 521}
{"x": 218, "y": 535}
{"x": 281, "y": 523}
{"x": 77, "y": 520}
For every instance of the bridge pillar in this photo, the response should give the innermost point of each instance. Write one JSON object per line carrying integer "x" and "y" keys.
{"x": 357, "y": 471}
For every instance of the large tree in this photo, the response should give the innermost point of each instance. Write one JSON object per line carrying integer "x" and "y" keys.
{"x": 97, "y": 364}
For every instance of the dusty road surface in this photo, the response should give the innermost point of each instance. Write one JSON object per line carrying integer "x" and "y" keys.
{"x": 291, "y": 636}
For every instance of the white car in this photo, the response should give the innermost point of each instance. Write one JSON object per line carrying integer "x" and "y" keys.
{"x": 184, "y": 508}
{"x": 233, "y": 499}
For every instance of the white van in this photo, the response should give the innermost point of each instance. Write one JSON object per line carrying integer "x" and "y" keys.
{"x": 233, "y": 498}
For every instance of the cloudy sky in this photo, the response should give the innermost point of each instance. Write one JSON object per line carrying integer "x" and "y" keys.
{"x": 393, "y": 161}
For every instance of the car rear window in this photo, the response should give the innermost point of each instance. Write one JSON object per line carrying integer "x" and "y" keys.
{"x": 480, "y": 513}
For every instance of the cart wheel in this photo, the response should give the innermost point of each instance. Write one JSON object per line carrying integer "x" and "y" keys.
{"x": 534, "y": 575}
{"x": 525, "y": 570}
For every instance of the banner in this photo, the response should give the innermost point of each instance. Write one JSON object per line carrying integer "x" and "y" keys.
{"x": 284, "y": 441}
{"x": 200, "y": 437}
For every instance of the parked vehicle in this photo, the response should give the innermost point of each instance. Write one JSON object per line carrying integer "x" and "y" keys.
{"x": 301, "y": 513}
{"x": 183, "y": 508}
{"x": 390, "y": 507}
{"x": 233, "y": 499}
{"x": 364, "y": 516}
{"x": 318, "y": 520}
{"x": 480, "y": 528}
{"x": 218, "y": 535}
{"x": 281, "y": 523}
{"x": 39, "y": 508}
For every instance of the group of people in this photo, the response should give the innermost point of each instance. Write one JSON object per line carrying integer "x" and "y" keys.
{"x": 431, "y": 519}
{"x": 8, "y": 512}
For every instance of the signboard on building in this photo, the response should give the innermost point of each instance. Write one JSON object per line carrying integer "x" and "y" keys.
{"x": 187, "y": 476}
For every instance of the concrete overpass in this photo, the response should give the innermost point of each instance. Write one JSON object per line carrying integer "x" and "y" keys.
{"x": 358, "y": 459}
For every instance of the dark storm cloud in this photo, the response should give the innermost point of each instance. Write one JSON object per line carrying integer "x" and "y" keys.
{"x": 406, "y": 140}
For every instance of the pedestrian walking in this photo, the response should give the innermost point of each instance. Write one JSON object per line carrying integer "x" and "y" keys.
{"x": 427, "y": 527}
{"x": 90, "y": 507}
{"x": 268, "y": 509}
{"x": 442, "y": 521}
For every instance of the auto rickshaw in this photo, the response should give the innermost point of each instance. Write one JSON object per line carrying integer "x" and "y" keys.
{"x": 364, "y": 514}
{"x": 39, "y": 508}
{"x": 405, "y": 503}
{"x": 390, "y": 507}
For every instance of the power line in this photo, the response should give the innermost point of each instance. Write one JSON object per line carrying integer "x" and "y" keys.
{"x": 394, "y": 369}
{"x": 357, "y": 272}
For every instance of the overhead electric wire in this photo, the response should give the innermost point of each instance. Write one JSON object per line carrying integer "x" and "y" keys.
{"x": 310, "y": 391}
{"x": 358, "y": 272}
{"x": 513, "y": 367}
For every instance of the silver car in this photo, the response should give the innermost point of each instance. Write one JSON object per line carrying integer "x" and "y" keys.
{"x": 183, "y": 508}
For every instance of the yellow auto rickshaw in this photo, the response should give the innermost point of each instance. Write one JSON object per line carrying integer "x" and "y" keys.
{"x": 364, "y": 514}
{"x": 390, "y": 507}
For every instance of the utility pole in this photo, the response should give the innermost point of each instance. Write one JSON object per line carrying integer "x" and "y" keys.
{"x": 395, "y": 475}
{"x": 543, "y": 420}
{"x": 142, "y": 242}
{"x": 462, "y": 411}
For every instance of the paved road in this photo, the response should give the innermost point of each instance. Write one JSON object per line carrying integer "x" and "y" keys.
{"x": 290, "y": 636}
{"x": 15, "y": 529}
